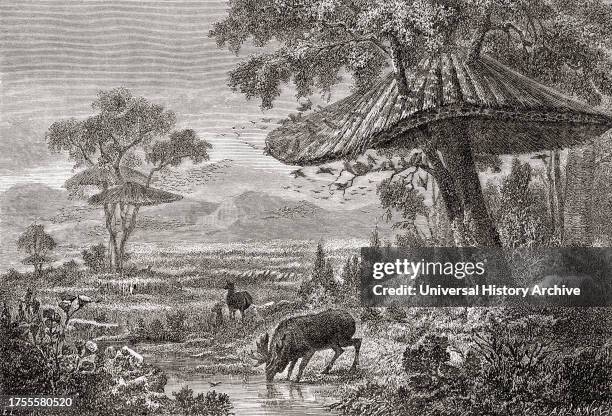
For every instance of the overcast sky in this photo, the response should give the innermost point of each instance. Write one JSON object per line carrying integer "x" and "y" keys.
{"x": 55, "y": 55}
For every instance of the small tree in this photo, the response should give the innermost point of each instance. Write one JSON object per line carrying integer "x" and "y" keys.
{"x": 520, "y": 209}
{"x": 329, "y": 281}
{"x": 322, "y": 281}
{"x": 375, "y": 238}
{"x": 37, "y": 243}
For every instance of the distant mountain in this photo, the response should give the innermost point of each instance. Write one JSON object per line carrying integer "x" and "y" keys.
{"x": 252, "y": 205}
{"x": 259, "y": 216}
{"x": 247, "y": 216}
{"x": 25, "y": 203}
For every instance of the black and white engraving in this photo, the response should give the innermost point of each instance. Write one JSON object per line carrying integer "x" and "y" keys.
{"x": 408, "y": 202}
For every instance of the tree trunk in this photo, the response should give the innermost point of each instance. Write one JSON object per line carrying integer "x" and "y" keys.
{"x": 112, "y": 254}
{"x": 555, "y": 192}
{"x": 128, "y": 226}
{"x": 580, "y": 175}
{"x": 459, "y": 185}
{"x": 452, "y": 202}
{"x": 109, "y": 216}
{"x": 560, "y": 197}
{"x": 552, "y": 210}
{"x": 459, "y": 160}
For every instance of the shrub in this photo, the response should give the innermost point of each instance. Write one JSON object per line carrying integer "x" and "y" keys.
{"x": 13, "y": 275}
{"x": 67, "y": 273}
{"x": 510, "y": 367}
{"x": 175, "y": 329}
{"x": 375, "y": 399}
{"x": 426, "y": 356}
{"x": 36, "y": 358}
{"x": 585, "y": 376}
{"x": 209, "y": 404}
{"x": 371, "y": 314}
{"x": 396, "y": 313}
{"x": 156, "y": 330}
{"x": 95, "y": 258}
{"x": 175, "y": 325}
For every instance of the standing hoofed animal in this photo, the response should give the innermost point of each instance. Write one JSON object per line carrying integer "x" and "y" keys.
{"x": 301, "y": 336}
{"x": 237, "y": 301}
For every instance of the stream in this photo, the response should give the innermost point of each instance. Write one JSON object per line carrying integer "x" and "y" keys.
{"x": 255, "y": 397}
{"x": 250, "y": 396}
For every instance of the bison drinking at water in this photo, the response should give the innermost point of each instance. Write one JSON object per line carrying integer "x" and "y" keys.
{"x": 301, "y": 336}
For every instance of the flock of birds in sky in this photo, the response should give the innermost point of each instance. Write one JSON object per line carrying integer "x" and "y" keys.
{"x": 337, "y": 181}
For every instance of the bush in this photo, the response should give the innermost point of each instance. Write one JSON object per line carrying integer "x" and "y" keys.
{"x": 396, "y": 313}
{"x": 36, "y": 358}
{"x": 375, "y": 399}
{"x": 585, "y": 376}
{"x": 211, "y": 404}
{"x": 95, "y": 258}
{"x": 509, "y": 367}
{"x": 371, "y": 314}
{"x": 175, "y": 329}
{"x": 67, "y": 273}
{"x": 156, "y": 330}
{"x": 13, "y": 275}
{"x": 426, "y": 356}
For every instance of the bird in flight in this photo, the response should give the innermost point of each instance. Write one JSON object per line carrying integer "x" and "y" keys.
{"x": 323, "y": 169}
{"x": 297, "y": 173}
{"x": 214, "y": 383}
{"x": 541, "y": 156}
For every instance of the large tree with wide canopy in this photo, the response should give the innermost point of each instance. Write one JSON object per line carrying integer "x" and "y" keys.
{"x": 118, "y": 150}
{"x": 313, "y": 43}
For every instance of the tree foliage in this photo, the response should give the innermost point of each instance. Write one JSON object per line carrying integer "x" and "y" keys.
{"x": 423, "y": 223}
{"x": 351, "y": 281}
{"x": 314, "y": 42}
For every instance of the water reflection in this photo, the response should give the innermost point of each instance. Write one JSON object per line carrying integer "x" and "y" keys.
{"x": 250, "y": 395}
{"x": 254, "y": 396}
